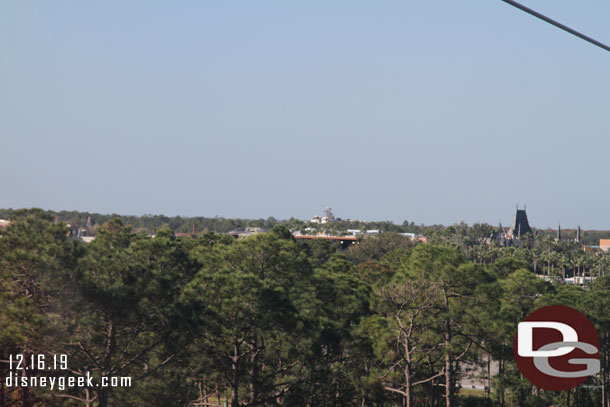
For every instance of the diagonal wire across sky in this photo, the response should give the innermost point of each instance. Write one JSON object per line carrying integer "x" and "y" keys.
{"x": 394, "y": 110}
{"x": 557, "y": 24}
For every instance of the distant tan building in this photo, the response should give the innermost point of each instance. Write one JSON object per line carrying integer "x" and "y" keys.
{"x": 4, "y": 223}
{"x": 328, "y": 217}
{"x": 604, "y": 244}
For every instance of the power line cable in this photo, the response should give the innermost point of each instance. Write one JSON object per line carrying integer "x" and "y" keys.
{"x": 557, "y": 24}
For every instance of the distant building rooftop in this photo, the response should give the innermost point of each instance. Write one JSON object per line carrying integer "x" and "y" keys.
{"x": 326, "y": 237}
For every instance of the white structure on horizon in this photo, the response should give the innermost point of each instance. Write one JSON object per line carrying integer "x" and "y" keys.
{"x": 328, "y": 216}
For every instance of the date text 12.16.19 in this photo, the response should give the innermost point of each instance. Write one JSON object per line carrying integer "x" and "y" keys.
{"x": 38, "y": 362}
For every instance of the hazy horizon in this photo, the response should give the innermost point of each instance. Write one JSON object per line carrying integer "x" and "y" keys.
{"x": 433, "y": 112}
{"x": 505, "y": 223}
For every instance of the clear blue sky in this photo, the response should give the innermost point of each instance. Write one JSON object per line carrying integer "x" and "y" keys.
{"x": 431, "y": 111}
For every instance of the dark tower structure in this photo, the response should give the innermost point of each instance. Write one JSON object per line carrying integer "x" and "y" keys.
{"x": 578, "y": 235}
{"x": 558, "y": 237}
{"x": 520, "y": 225}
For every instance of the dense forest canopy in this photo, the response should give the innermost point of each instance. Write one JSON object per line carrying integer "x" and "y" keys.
{"x": 270, "y": 320}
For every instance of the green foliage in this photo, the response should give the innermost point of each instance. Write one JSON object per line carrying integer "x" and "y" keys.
{"x": 268, "y": 320}
{"x": 375, "y": 247}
